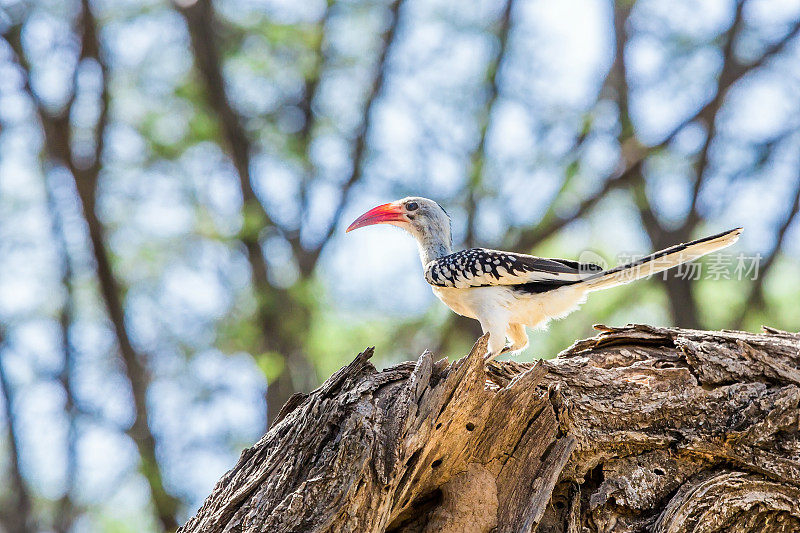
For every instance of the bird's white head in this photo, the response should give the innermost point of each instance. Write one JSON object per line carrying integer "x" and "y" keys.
{"x": 424, "y": 219}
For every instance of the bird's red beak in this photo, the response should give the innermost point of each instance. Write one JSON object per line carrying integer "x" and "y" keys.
{"x": 391, "y": 212}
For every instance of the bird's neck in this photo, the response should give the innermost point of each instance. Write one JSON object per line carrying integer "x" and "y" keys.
{"x": 431, "y": 249}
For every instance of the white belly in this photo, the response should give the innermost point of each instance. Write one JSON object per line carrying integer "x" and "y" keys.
{"x": 472, "y": 302}
{"x": 502, "y": 302}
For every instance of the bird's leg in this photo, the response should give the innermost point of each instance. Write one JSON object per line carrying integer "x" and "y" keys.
{"x": 518, "y": 337}
{"x": 497, "y": 338}
{"x": 492, "y": 354}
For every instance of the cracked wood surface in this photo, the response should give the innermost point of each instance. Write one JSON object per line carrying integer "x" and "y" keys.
{"x": 636, "y": 429}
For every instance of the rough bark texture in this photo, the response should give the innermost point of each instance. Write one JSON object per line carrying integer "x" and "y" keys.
{"x": 636, "y": 429}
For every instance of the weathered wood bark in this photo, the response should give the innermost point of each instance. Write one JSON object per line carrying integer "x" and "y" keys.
{"x": 636, "y": 429}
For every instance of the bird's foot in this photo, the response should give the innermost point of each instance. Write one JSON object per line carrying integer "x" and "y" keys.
{"x": 491, "y": 356}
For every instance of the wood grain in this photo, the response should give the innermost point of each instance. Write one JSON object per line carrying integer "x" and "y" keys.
{"x": 636, "y": 429}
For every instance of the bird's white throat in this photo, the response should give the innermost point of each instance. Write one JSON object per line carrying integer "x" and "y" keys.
{"x": 431, "y": 249}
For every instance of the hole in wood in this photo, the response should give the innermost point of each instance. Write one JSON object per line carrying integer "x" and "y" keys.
{"x": 438, "y": 425}
{"x": 559, "y": 505}
{"x": 658, "y": 472}
{"x": 436, "y": 463}
{"x": 470, "y": 426}
{"x": 413, "y": 459}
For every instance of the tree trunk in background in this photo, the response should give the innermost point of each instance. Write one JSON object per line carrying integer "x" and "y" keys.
{"x": 638, "y": 428}
{"x": 682, "y": 306}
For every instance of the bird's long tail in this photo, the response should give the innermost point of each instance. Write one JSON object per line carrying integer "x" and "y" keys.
{"x": 660, "y": 261}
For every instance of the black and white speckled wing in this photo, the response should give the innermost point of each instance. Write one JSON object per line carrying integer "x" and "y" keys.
{"x": 479, "y": 267}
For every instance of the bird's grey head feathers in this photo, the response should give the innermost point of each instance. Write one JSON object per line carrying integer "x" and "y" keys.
{"x": 424, "y": 219}
{"x": 429, "y": 224}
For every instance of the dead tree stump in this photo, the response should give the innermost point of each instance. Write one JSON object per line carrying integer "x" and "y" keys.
{"x": 636, "y": 429}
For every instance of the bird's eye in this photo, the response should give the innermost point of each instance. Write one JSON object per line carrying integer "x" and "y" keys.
{"x": 412, "y": 206}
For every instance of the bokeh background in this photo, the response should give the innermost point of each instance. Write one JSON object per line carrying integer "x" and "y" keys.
{"x": 175, "y": 180}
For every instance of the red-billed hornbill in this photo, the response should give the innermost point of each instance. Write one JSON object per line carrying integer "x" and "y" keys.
{"x": 507, "y": 291}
